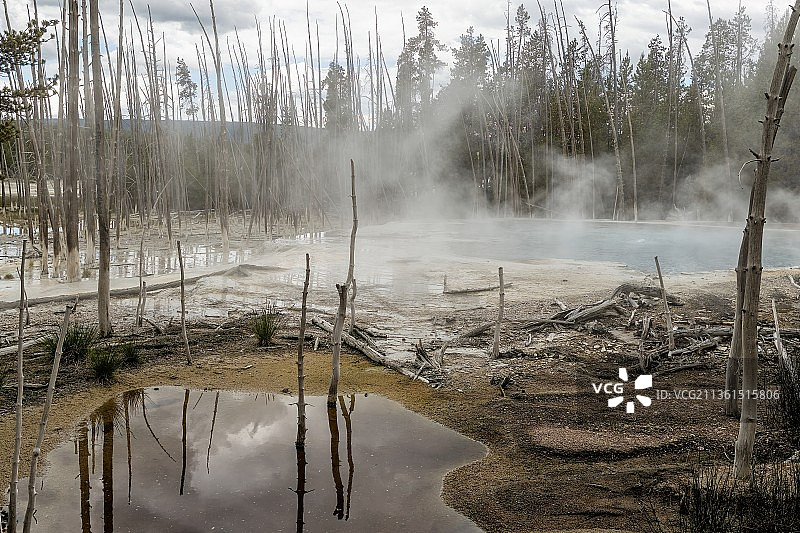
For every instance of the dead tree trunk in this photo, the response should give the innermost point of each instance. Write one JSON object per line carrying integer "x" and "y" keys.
{"x": 719, "y": 93}
{"x": 300, "y": 442}
{"x": 670, "y": 334}
{"x": 183, "y": 308}
{"x": 496, "y": 345}
{"x": 101, "y": 180}
{"x": 619, "y": 204}
{"x": 12, "y": 497}
{"x": 353, "y": 307}
{"x": 71, "y": 179}
{"x": 782, "y": 79}
{"x": 223, "y": 138}
{"x": 342, "y": 289}
{"x": 735, "y": 355}
{"x": 37, "y": 450}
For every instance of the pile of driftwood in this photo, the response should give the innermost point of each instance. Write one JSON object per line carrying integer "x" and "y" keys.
{"x": 363, "y": 341}
{"x": 664, "y": 344}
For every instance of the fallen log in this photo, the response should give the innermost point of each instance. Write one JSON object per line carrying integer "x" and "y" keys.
{"x": 471, "y": 290}
{"x": 364, "y": 336}
{"x": 574, "y": 317}
{"x": 693, "y": 348}
{"x": 373, "y": 354}
{"x": 717, "y": 331}
{"x": 25, "y": 346}
{"x": 654, "y": 292}
{"x": 114, "y": 293}
{"x": 599, "y": 309}
{"x": 472, "y": 332}
{"x": 538, "y": 322}
{"x": 696, "y": 364}
{"x": 372, "y": 332}
{"x": 32, "y": 386}
{"x": 158, "y": 328}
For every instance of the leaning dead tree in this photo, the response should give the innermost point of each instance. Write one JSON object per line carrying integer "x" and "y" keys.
{"x": 342, "y": 290}
{"x": 782, "y": 79}
{"x": 12, "y": 496}
{"x": 51, "y": 387}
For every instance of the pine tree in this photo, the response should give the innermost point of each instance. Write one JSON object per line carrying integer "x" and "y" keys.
{"x": 187, "y": 89}
{"x": 338, "y": 100}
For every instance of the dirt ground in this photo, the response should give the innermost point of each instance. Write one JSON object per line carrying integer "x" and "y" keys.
{"x": 559, "y": 459}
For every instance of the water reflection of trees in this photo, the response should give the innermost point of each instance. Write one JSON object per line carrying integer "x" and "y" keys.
{"x": 333, "y": 425}
{"x": 83, "y": 470}
{"x": 349, "y": 431}
{"x": 117, "y": 415}
{"x": 115, "y": 412}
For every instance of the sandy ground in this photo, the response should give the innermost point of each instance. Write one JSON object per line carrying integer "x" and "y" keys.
{"x": 559, "y": 458}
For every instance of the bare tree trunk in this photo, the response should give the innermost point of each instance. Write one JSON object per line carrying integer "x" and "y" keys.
{"x": 353, "y": 294}
{"x": 37, "y": 450}
{"x": 620, "y": 201}
{"x": 633, "y": 161}
{"x": 71, "y": 180}
{"x": 87, "y": 183}
{"x": 496, "y": 346}
{"x": 12, "y": 497}
{"x": 101, "y": 180}
{"x": 667, "y": 313}
{"x": 720, "y": 95}
{"x": 782, "y": 79}
{"x": 342, "y": 289}
{"x": 735, "y": 355}
{"x": 300, "y": 442}
{"x": 223, "y": 200}
{"x": 118, "y": 164}
{"x": 183, "y": 308}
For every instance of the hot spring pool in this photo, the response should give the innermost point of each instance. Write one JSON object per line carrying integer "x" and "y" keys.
{"x": 174, "y": 459}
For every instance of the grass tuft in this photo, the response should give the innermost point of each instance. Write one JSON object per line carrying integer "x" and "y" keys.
{"x": 267, "y": 324}
{"x": 78, "y": 342}
{"x": 103, "y": 363}
{"x": 788, "y": 402}
{"x": 129, "y": 353}
{"x": 712, "y": 500}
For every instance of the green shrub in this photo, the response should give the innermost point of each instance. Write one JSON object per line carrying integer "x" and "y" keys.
{"x": 103, "y": 363}
{"x": 78, "y": 342}
{"x": 267, "y": 324}
{"x": 129, "y": 353}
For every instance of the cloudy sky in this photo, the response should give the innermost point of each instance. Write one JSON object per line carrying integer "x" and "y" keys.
{"x": 638, "y": 21}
